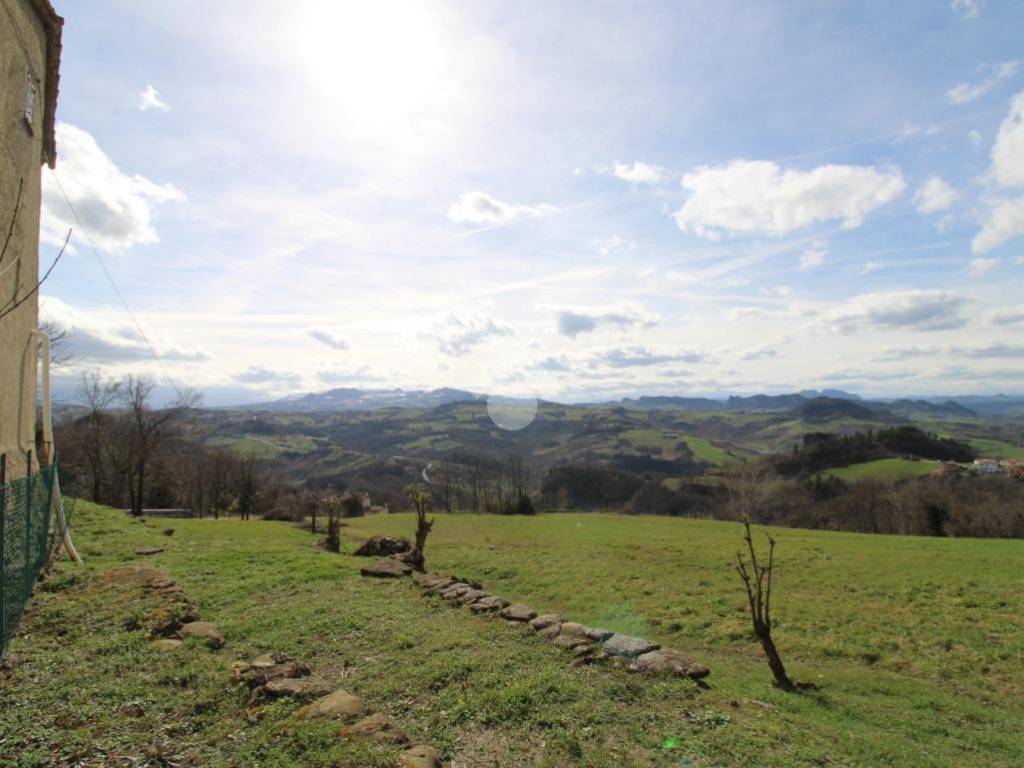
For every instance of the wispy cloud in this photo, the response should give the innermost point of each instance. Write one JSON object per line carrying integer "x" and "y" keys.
{"x": 964, "y": 93}
{"x": 150, "y": 99}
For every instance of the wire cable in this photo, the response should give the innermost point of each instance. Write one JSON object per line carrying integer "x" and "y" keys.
{"x": 110, "y": 278}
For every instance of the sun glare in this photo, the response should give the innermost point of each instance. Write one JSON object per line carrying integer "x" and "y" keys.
{"x": 378, "y": 63}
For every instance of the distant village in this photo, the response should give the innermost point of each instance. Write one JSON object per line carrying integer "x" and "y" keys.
{"x": 1010, "y": 467}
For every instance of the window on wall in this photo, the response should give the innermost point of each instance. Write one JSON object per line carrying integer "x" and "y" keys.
{"x": 30, "y": 100}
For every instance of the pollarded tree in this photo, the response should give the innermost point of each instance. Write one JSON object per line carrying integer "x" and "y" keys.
{"x": 757, "y": 578}
{"x": 423, "y": 505}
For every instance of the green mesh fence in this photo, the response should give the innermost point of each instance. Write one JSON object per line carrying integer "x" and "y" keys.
{"x": 24, "y": 528}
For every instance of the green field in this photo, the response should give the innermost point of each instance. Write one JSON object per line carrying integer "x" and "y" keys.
{"x": 997, "y": 449}
{"x": 916, "y": 647}
{"x": 883, "y": 469}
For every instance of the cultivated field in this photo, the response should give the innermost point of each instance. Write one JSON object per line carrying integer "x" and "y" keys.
{"x": 916, "y": 647}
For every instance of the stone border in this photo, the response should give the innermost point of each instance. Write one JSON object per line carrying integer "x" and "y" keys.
{"x": 272, "y": 676}
{"x": 587, "y": 644}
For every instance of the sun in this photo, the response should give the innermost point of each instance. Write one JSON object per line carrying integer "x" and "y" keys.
{"x": 378, "y": 65}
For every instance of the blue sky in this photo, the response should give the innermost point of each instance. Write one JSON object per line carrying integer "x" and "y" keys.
{"x": 570, "y": 200}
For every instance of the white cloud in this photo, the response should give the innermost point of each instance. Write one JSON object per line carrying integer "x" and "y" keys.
{"x": 92, "y": 339}
{"x": 1008, "y": 151}
{"x": 997, "y": 350}
{"x": 1005, "y": 221}
{"x": 351, "y": 376}
{"x": 981, "y": 266}
{"x": 1004, "y": 218}
{"x": 778, "y": 290}
{"x": 642, "y": 357}
{"x": 482, "y": 209}
{"x": 813, "y": 257}
{"x": 328, "y": 338}
{"x": 967, "y": 92}
{"x": 968, "y": 9}
{"x": 1006, "y": 316}
{"x": 255, "y": 374}
{"x": 762, "y": 352}
{"x": 871, "y": 266}
{"x": 758, "y": 196}
{"x": 935, "y": 195}
{"x": 638, "y": 173}
{"x": 457, "y": 336}
{"x": 572, "y": 323}
{"x": 975, "y": 138}
{"x": 921, "y": 310}
{"x": 615, "y": 246}
{"x": 894, "y": 354}
{"x": 150, "y": 99}
{"x": 117, "y": 209}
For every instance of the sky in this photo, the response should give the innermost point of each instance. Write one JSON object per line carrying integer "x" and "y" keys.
{"x": 567, "y": 200}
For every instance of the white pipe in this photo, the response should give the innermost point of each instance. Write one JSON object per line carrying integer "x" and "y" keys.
{"x": 48, "y": 445}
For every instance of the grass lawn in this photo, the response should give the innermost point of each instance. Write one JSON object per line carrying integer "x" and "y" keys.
{"x": 705, "y": 450}
{"x": 997, "y": 449}
{"x": 883, "y": 469}
{"x": 916, "y": 646}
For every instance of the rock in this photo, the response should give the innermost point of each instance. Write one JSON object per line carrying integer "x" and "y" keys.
{"x": 571, "y": 641}
{"x": 340, "y": 704}
{"x": 427, "y": 580}
{"x": 379, "y": 728}
{"x": 386, "y": 568}
{"x": 256, "y": 677}
{"x": 149, "y": 550}
{"x": 420, "y": 756}
{"x": 266, "y": 661}
{"x": 488, "y": 604}
{"x": 455, "y": 590}
{"x": 597, "y": 635}
{"x": 518, "y": 612}
{"x": 382, "y": 546}
{"x": 469, "y": 582}
{"x": 441, "y": 586}
{"x": 470, "y": 597}
{"x": 203, "y": 630}
{"x": 167, "y": 644}
{"x": 168, "y": 531}
{"x": 550, "y": 632}
{"x": 302, "y": 688}
{"x": 545, "y": 621}
{"x": 669, "y": 662}
{"x": 630, "y": 647}
{"x": 587, "y": 654}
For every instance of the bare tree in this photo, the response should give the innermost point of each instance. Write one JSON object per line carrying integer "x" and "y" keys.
{"x": 422, "y": 505}
{"x": 757, "y": 578}
{"x": 61, "y": 355}
{"x": 246, "y": 486}
{"x": 332, "y": 504}
{"x": 97, "y": 395}
{"x": 749, "y": 492}
{"x": 150, "y": 428}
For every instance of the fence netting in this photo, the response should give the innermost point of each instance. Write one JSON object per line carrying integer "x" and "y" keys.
{"x": 25, "y": 506}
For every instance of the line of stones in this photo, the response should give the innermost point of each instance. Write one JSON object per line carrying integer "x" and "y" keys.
{"x": 274, "y": 675}
{"x": 587, "y": 644}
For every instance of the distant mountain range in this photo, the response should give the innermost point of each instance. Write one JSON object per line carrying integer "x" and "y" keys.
{"x": 813, "y": 405}
{"x": 346, "y": 399}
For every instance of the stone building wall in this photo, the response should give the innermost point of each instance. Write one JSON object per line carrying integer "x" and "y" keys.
{"x": 29, "y": 45}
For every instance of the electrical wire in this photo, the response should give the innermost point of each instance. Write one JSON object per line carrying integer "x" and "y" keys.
{"x": 110, "y": 279}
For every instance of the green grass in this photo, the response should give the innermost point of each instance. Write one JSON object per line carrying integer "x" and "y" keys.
{"x": 997, "y": 449}
{"x": 651, "y": 439}
{"x": 916, "y": 646}
{"x": 705, "y": 450}
{"x": 883, "y": 469}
